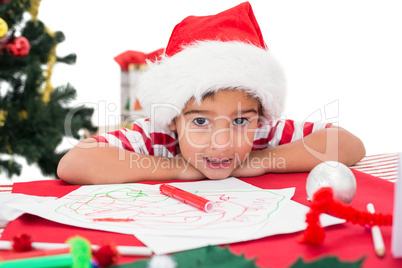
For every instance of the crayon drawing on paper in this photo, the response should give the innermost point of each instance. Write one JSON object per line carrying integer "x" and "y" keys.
{"x": 141, "y": 209}
{"x": 139, "y": 206}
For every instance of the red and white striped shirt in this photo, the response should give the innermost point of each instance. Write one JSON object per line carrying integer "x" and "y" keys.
{"x": 142, "y": 140}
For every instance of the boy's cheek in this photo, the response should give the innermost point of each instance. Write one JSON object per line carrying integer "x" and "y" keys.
{"x": 197, "y": 140}
{"x": 250, "y": 138}
{"x": 240, "y": 158}
{"x": 198, "y": 161}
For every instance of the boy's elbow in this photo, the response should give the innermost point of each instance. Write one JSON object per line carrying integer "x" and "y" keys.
{"x": 72, "y": 167}
{"x": 66, "y": 172}
{"x": 352, "y": 149}
{"x": 361, "y": 150}
{"x": 356, "y": 154}
{"x": 62, "y": 173}
{"x": 71, "y": 171}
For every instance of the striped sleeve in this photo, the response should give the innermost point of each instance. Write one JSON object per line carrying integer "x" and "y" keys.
{"x": 141, "y": 140}
{"x": 283, "y": 132}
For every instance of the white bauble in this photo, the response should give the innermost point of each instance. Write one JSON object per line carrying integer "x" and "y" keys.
{"x": 335, "y": 175}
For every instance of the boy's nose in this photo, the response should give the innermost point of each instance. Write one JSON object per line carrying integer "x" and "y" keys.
{"x": 222, "y": 139}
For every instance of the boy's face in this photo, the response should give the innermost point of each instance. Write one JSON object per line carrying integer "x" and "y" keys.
{"x": 217, "y": 135}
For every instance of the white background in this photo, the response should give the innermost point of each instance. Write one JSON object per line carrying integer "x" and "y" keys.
{"x": 344, "y": 55}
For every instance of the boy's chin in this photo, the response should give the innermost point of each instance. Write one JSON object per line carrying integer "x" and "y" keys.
{"x": 217, "y": 175}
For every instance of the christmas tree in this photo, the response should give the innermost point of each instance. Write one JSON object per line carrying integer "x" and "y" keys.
{"x": 32, "y": 112}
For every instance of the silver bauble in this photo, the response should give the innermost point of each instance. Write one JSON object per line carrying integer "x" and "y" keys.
{"x": 335, "y": 175}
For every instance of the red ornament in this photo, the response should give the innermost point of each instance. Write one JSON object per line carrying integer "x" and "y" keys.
{"x": 22, "y": 242}
{"x": 19, "y": 47}
{"x": 106, "y": 255}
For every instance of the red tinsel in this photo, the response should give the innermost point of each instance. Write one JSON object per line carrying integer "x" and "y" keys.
{"x": 324, "y": 202}
{"x": 22, "y": 242}
{"x": 106, "y": 255}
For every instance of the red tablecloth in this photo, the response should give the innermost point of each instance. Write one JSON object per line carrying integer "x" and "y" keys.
{"x": 347, "y": 241}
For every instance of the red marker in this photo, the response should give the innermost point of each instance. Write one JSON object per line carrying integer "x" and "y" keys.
{"x": 188, "y": 198}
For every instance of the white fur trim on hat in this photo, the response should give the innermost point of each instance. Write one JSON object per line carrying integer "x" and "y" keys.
{"x": 167, "y": 85}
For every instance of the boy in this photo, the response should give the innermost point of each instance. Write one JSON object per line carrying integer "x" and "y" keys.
{"x": 212, "y": 101}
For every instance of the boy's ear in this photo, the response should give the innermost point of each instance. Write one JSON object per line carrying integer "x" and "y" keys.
{"x": 172, "y": 125}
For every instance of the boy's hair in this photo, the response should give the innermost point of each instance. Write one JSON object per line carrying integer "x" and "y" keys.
{"x": 211, "y": 94}
{"x": 207, "y": 54}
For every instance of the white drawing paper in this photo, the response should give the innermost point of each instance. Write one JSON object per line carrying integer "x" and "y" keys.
{"x": 242, "y": 212}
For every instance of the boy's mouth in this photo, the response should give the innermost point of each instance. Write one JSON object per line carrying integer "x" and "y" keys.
{"x": 217, "y": 163}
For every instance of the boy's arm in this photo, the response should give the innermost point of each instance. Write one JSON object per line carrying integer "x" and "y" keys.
{"x": 329, "y": 144}
{"x": 90, "y": 162}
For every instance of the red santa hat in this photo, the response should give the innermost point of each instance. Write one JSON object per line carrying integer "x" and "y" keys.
{"x": 209, "y": 53}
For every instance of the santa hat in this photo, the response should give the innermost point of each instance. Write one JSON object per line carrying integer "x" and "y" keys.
{"x": 209, "y": 53}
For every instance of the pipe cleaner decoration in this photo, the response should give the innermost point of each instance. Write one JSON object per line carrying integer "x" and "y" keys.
{"x": 107, "y": 254}
{"x": 22, "y": 242}
{"x": 324, "y": 202}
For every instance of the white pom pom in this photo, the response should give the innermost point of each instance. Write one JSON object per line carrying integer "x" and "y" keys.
{"x": 162, "y": 261}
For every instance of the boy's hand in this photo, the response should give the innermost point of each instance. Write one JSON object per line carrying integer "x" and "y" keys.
{"x": 186, "y": 170}
{"x": 252, "y": 166}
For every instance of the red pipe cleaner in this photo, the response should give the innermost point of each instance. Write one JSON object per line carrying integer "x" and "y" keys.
{"x": 107, "y": 254}
{"x": 324, "y": 202}
{"x": 22, "y": 242}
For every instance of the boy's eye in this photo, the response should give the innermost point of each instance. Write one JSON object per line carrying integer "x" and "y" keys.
{"x": 241, "y": 121}
{"x": 201, "y": 121}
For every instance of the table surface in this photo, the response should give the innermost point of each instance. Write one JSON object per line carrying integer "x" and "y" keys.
{"x": 383, "y": 167}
